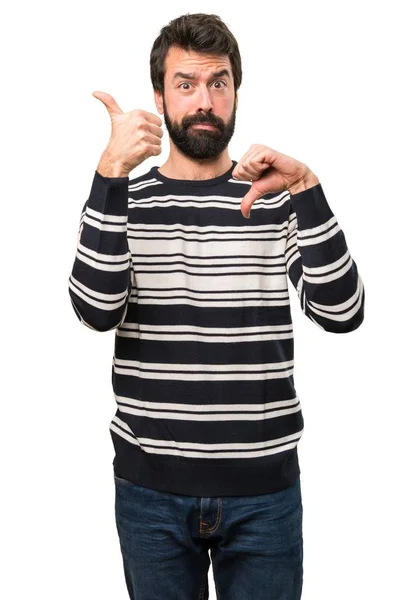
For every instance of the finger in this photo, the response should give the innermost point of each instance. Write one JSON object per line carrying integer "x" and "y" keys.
{"x": 109, "y": 103}
{"x": 155, "y": 149}
{"x": 238, "y": 169}
{"x": 152, "y": 118}
{"x": 247, "y": 167}
{"x": 260, "y": 163}
{"x": 257, "y": 158}
{"x": 156, "y": 130}
{"x": 250, "y": 171}
{"x": 153, "y": 140}
{"x": 242, "y": 172}
{"x": 257, "y": 163}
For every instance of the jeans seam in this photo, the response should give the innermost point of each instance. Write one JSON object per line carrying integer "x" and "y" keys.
{"x": 203, "y": 587}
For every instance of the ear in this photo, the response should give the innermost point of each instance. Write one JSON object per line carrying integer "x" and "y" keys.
{"x": 236, "y": 100}
{"x": 158, "y": 99}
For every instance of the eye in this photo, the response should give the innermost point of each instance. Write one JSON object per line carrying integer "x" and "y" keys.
{"x": 220, "y": 81}
{"x": 186, "y": 83}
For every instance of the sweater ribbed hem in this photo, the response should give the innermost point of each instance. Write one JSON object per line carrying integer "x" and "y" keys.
{"x": 259, "y": 476}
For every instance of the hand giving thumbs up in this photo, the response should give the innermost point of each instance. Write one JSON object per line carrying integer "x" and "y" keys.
{"x": 135, "y": 136}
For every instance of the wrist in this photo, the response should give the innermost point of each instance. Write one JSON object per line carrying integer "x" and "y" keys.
{"x": 307, "y": 181}
{"x": 109, "y": 167}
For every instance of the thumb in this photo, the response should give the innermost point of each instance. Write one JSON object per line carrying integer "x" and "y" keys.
{"x": 109, "y": 103}
{"x": 248, "y": 200}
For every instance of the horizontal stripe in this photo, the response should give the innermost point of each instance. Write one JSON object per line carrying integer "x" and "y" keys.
{"x": 197, "y": 372}
{"x": 99, "y": 256}
{"x": 103, "y": 226}
{"x": 331, "y": 308}
{"x": 154, "y": 446}
{"x": 104, "y": 218}
{"x": 188, "y": 201}
{"x": 347, "y": 314}
{"x": 266, "y": 408}
{"x": 103, "y": 266}
{"x": 90, "y": 296}
{"x": 203, "y": 334}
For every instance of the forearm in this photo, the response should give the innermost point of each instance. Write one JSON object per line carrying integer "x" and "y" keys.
{"x": 100, "y": 282}
{"x": 326, "y": 276}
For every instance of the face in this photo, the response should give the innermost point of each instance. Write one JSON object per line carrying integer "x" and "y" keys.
{"x": 198, "y": 89}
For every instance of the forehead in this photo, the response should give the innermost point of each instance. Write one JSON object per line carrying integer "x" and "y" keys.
{"x": 178, "y": 59}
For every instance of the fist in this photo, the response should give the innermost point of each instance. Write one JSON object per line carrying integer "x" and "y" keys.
{"x": 135, "y": 135}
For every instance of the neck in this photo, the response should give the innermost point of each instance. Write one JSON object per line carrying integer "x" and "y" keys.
{"x": 179, "y": 166}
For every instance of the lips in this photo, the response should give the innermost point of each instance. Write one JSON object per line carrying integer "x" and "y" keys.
{"x": 204, "y": 125}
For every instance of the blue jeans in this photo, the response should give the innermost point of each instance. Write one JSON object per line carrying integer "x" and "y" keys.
{"x": 256, "y": 544}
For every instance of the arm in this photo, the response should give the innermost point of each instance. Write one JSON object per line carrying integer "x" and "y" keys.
{"x": 320, "y": 267}
{"x": 100, "y": 283}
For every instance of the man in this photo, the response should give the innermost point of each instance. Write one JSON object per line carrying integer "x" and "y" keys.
{"x": 208, "y": 418}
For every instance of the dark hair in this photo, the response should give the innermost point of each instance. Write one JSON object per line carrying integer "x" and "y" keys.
{"x": 197, "y": 32}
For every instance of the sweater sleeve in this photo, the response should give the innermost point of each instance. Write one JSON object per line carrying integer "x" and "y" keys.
{"x": 319, "y": 264}
{"x": 100, "y": 282}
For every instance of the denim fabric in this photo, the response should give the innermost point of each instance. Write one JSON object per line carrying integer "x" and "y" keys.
{"x": 255, "y": 544}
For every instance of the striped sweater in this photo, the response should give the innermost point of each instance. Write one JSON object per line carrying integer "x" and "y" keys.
{"x": 202, "y": 370}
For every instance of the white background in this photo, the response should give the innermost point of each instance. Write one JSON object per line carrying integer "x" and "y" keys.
{"x": 319, "y": 84}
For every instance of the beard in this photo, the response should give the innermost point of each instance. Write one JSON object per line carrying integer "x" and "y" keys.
{"x": 200, "y": 143}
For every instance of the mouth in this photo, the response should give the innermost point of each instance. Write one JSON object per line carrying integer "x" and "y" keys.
{"x": 204, "y": 126}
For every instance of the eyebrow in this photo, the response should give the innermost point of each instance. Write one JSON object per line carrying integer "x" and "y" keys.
{"x": 179, "y": 74}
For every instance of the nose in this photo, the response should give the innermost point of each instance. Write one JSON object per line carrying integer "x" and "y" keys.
{"x": 204, "y": 99}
